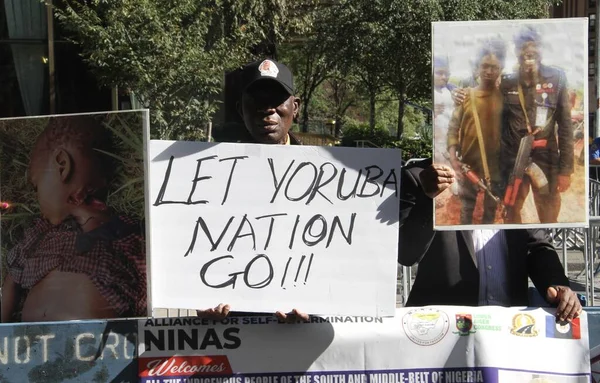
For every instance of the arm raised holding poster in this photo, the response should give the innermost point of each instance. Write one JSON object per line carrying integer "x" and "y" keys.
{"x": 478, "y": 267}
{"x": 265, "y": 226}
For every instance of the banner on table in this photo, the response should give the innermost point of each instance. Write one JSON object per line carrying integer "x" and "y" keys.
{"x": 107, "y": 351}
{"x": 430, "y": 344}
{"x": 273, "y": 227}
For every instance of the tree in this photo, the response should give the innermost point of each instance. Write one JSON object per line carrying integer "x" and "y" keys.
{"x": 343, "y": 95}
{"x": 172, "y": 54}
{"x": 309, "y": 64}
{"x": 409, "y": 63}
{"x": 495, "y": 9}
{"x": 309, "y": 55}
{"x": 359, "y": 42}
{"x": 408, "y": 26}
{"x": 388, "y": 42}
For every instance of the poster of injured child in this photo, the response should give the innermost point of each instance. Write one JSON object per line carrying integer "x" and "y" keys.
{"x": 72, "y": 216}
{"x": 510, "y": 119}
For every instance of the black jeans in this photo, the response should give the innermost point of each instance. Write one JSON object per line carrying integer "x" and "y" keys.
{"x": 468, "y": 197}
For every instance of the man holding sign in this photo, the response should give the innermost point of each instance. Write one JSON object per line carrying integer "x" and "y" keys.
{"x": 264, "y": 226}
{"x": 268, "y": 108}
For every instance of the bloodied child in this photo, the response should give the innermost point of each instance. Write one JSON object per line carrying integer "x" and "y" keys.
{"x": 80, "y": 259}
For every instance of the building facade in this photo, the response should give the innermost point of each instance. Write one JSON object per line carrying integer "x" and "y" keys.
{"x": 40, "y": 71}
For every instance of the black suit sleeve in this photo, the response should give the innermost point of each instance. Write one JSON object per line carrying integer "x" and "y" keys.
{"x": 543, "y": 264}
{"x": 416, "y": 218}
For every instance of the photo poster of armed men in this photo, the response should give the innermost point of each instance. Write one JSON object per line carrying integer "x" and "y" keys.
{"x": 510, "y": 117}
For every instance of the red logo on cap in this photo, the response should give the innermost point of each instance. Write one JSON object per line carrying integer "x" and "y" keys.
{"x": 268, "y": 68}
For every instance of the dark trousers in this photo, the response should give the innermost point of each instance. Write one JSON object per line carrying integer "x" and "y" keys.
{"x": 547, "y": 205}
{"x": 468, "y": 197}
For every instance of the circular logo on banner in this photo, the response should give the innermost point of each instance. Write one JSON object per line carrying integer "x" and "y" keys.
{"x": 563, "y": 328}
{"x": 524, "y": 325}
{"x": 425, "y": 326}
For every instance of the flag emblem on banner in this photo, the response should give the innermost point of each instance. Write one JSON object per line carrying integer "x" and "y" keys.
{"x": 524, "y": 325}
{"x": 563, "y": 330}
{"x": 464, "y": 324}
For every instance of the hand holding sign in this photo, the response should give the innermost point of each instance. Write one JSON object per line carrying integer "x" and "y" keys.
{"x": 222, "y": 311}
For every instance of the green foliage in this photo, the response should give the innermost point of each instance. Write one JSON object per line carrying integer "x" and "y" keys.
{"x": 495, "y": 9}
{"x": 173, "y": 53}
{"x": 354, "y": 131}
{"x": 414, "y": 120}
{"x": 386, "y": 44}
{"x": 341, "y": 92}
{"x": 307, "y": 58}
{"x": 425, "y": 132}
{"x": 386, "y": 114}
{"x": 413, "y": 148}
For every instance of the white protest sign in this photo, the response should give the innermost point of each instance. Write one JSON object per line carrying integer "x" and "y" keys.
{"x": 273, "y": 227}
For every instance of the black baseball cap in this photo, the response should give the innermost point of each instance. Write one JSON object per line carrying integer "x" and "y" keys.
{"x": 267, "y": 70}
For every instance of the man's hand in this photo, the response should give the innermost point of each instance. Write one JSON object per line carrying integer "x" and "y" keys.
{"x": 438, "y": 109}
{"x": 218, "y": 313}
{"x": 567, "y": 301}
{"x": 459, "y": 95}
{"x": 563, "y": 183}
{"x": 435, "y": 179}
{"x": 292, "y": 317}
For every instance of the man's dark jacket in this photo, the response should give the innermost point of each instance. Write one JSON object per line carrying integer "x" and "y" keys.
{"x": 447, "y": 273}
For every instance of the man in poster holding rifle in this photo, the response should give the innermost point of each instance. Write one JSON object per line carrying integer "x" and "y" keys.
{"x": 474, "y": 136}
{"x": 533, "y": 154}
{"x": 536, "y": 150}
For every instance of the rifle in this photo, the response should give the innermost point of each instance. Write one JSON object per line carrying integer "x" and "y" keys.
{"x": 524, "y": 165}
{"x": 475, "y": 179}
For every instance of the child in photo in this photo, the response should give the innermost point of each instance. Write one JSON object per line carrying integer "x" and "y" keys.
{"x": 80, "y": 259}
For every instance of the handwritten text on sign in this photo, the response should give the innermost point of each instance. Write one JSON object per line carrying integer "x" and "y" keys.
{"x": 269, "y": 227}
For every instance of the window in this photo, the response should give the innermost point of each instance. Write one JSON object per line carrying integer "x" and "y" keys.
{"x": 592, "y": 21}
{"x": 23, "y": 73}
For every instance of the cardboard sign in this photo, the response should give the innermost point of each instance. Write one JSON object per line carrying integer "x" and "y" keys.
{"x": 269, "y": 227}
